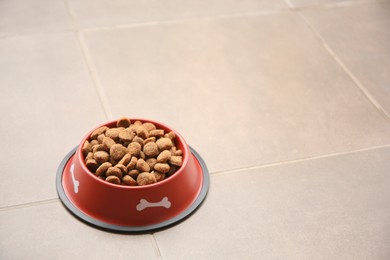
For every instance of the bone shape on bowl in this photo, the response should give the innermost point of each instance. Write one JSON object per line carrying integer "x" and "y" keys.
{"x": 76, "y": 183}
{"x": 143, "y": 204}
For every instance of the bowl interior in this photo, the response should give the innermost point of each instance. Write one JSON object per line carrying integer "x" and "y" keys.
{"x": 180, "y": 143}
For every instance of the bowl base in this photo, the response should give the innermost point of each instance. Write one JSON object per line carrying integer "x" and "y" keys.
{"x": 130, "y": 229}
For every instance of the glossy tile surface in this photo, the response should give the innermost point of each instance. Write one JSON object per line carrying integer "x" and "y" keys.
{"x": 359, "y": 35}
{"x": 103, "y": 13}
{"x": 48, "y": 231}
{"x": 38, "y": 16}
{"x": 286, "y": 101}
{"x": 327, "y": 3}
{"x": 48, "y": 104}
{"x": 244, "y": 91}
{"x": 329, "y": 208}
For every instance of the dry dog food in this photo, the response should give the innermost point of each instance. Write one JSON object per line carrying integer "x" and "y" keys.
{"x": 132, "y": 153}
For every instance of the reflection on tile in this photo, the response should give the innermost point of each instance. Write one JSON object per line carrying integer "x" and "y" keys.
{"x": 360, "y": 36}
{"x": 48, "y": 104}
{"x": 48, "y": 231}
{"x": 242, "y": 91}
{"x": 101, "y": 12}
{"x": 24, "y": 16}
{"x": 330, "y": 208}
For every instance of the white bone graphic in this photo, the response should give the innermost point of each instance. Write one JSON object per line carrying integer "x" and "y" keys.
{"x": 76, "y": 183}
{"x": 143, "y": 204}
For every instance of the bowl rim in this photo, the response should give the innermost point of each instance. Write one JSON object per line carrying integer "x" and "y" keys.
{"x": 179, "y": 138}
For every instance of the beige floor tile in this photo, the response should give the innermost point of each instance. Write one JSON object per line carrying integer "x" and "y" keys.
{"x": 103, "y": 12}
{"x": 359, "y": 35}
{"x": 329, "y": 208}
{"x": 48, "y": 231}
{"x": 242, "y": 91}
{"x": 48, "y": 104}
{"x": 24, "y": 16}
{"x": 307, "y": 3}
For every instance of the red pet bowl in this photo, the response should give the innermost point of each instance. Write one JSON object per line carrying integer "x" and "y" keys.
{"x": 132, "y": 208}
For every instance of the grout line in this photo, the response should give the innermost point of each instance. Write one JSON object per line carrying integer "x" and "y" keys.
{"x": 98, "y": 86}
{"x": 189, "y": 19}
{"x": 305, "y": 159}
{"x": 88, "y": 61}
{"x": 217, "y": 173}
{"x": 76, "y": 26}
{"x": 29, "y": 204}
{"x": 156, "y": 247}
{"x": 291, "y": 7}
{"x": 354, "y": 79}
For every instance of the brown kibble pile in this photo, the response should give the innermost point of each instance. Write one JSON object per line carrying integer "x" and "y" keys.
{"x": 132, "y": 153}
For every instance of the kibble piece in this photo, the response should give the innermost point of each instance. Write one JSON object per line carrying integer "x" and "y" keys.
{"x": 100, "y": 138}
{"x": 103, "y": 169}
{"x": 151, "y": 162}
{"x": 123, "y": 122}
{"x": 173, "y": 150}
{"x": 117, "y": 151}
{"x": 171, "y": 135}
{"x": 150, "y": 149}
{"x": 92, "y": 165}
{"x": 99, "y": 147}
{"x": 114, "y": 171}
{"x": 108, "y": 142}
{"x": 126, "y": 135}
{"x": 146, "y": 178}
{"x": 138, "y": 123}
{"x": 113, "y": 133}
{"x": 99, "y": 131}
{"x": 128, "y": 180}
{"x": 150, "y": 139}
{"x": 134, "y": 148}
{"x": 142, "y": 132}
{"x": 156, "y": 133}
{"x": 122, "y": 168}
{"x": 164, "y": 156}
{"x": 125, "y": 159}
{"x": 139, "y": 140}
{"x": 133, "y": 128}
{"x": 101, "y": 157}
{"x": 94, "y": 148}
{"x": 113, "y": 179}
{"x": 133, "y": 173}
{"x": 113, "y": 162}
{"x": 162, "y": 167}
{"x": 159, "y": 176}
{"x": 133, "y": 162}
{"x": 142, "y": 166}
{"x": 86, "y": 148}
{"x": 176, "y": 160}
{"x": 178, "y": 152}
{"x": 149, "y": 126}
{"x": 89, "y": 156}
{"x": 164, "y": 143}
{"x": 93, "y": 142}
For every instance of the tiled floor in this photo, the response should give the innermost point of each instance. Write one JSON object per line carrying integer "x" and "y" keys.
{"x": 288, "y": 102}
